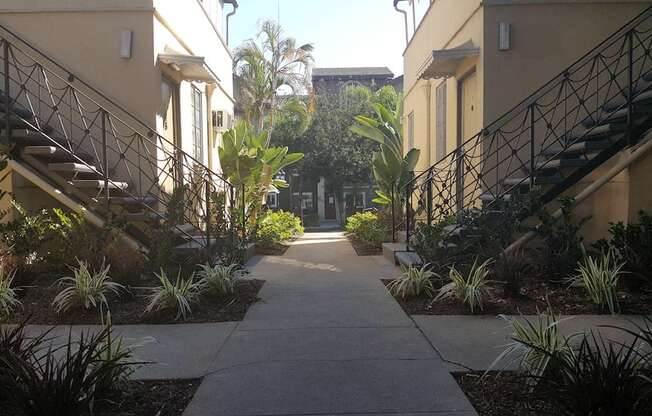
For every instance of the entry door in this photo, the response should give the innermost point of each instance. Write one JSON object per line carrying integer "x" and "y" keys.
{"x": 329, "y": 212}
{"x": 469, "y": 125}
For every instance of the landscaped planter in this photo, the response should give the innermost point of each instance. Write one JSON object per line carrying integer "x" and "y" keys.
{"x": 363, "y": 249}
{"x": 129, "y": 307}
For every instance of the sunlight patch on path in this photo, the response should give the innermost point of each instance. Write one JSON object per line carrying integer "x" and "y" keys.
{"x": 303, "y": 264}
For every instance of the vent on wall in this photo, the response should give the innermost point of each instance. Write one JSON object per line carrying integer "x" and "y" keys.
{"x": 222, "y": 120}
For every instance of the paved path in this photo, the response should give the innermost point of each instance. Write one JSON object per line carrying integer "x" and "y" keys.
{"x": 326, "y": 339}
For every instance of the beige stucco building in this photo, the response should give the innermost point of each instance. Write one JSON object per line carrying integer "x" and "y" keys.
{"x": 166, "y": 62}
{"x": 462, "y": 73}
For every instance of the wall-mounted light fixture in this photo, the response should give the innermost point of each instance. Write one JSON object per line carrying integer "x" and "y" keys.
{"x": 504, "y": 36}
{"x": 126, "y": 40}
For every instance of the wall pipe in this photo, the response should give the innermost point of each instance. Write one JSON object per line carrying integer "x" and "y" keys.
{"x": 405, "y": 19}
{"x": 634, "y": 154}
{"x": 233, "y": 3}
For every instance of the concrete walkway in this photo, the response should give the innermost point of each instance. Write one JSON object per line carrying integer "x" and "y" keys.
{"x": 327, "y": 339}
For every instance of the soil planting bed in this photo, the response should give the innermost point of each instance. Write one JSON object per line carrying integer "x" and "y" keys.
{"x": 500, "y": 394}
{"x": 277, "y": 250}
{"x": 564, "y": 300}
{"x": 161, "y": 398}
{"x": 128, "y": 308}
{"x": 363, "y": 249}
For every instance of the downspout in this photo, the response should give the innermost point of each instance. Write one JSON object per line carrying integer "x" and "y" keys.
{"x": 233, "y": 3}
{"x": 633, "y": 155}
{"x": 405, "y": 19}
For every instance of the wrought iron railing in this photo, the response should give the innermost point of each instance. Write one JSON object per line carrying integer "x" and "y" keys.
{"x": 77, "y": 118}
{"x": 511, "y": 152}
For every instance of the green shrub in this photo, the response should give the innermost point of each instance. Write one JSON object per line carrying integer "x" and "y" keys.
{"x": 413, "y": 281}
{"x": 219, "y": 279}
{"x": 8, "y": 294}
{"x": 472, "y": 289}
{"x": 85, "y": 288}
{"x": 369, "y": 228}
{"x": 600, "y": 279}
{"x": 178, "y": 296}
{"x": 632, "y": 245}
{"x": 277, "y": 226}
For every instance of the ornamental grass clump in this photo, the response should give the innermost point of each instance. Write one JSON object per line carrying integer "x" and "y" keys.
{"x": 472, "y": 289}
{"x": 600, "y": 279}
{"x": 534, "y": 341}
{"x": 174, "y": 296}
{"x": 219, "y": 279}
{"x": 86, "y": 288}
{"x": 413, "y": 281}
{"x": 8, "y": 295}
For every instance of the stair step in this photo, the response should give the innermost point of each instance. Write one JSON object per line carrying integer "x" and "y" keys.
{"x": 19, "y": 125}
{"x": 184, "y": 230}
{"x": 590, "y": 146}
{"x": 582, "y": 133}
{"x": 56, "y": 153}
{"x": 128, "y": 201}
{"x": 16, "y": 108}
{"x": 561, "y": 164}
{"x": 144, "y": 216}
{"x": 640, "y": 110}
{"x": 621, "y": 101}
{"x": 538, "y": 180}
{"x": 72, "y": 167}
{"x": 29, "y": 137}
{"x": 97, "y": 184}
{"x": 489, "y": 197}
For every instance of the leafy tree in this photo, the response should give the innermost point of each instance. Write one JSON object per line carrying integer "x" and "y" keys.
{"x": 265, "y": 67}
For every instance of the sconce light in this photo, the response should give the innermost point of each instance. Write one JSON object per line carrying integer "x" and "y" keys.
{"x": 126, "y": 39}
{"x": 504, "y": 36}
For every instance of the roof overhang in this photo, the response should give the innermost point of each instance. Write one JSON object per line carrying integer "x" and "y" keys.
{"x": 189, "y": 67}
{"x": 443, "y": 63}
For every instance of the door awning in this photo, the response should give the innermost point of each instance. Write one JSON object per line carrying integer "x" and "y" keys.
{"x": 443, "y": 63}
{"x": 189, "y": 67}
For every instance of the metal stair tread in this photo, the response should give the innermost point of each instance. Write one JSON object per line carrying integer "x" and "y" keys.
{"x": 620, "y": 101}
{"x": 72, "y": 167}
{"x": 579, "y": 147}
{"x": 128, "y": 200}
{"x": 490, "y": 197}
{"x": 538, "y": 180}
{"x": 144, "y": 216}
{"x": 55, "y": 152}
{"x": 98, "y": 184}
{"x": 561, "y": 163}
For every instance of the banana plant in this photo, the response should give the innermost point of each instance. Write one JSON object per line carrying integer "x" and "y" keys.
{"x": 392, "y": 170}
{"x": 251, "y": 166}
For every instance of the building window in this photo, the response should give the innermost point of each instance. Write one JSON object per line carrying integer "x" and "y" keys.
{"x": 197, "y": 124}
{"x": 410, "y": 131}
{"x": 306, "y": 200}
{"x": 272, "y": 200}
{"x": 360, "y": 202}
{"x": 440, "y": 123}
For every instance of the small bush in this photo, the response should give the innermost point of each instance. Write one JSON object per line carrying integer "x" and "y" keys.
{"x": 598, "y": 378}
{"x": 85, "y": 288}
{"x": 47, "y": 384}
{"x": 632, "y": 245}
{"x": 177, "y": 296}
{"x": 533, "y": 342}
{"x": 219, "y": 279}
{"x": 127, "y": 264}
{"x": 413, "y": 281}
{"x": 8, "y": 296}
{"x": 472, "y": 289}
{"x": 369, "y": 228}
{"x": 277, "y": 226}
{"x": 511, "y": 268}
{"x": 600, "y": 279}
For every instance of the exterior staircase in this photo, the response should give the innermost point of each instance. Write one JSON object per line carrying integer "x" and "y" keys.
{"x": 551, "y": 140}
{"x": 94, "y": 157}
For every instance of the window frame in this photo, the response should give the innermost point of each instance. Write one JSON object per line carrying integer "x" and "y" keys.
{"x": 197, "y": 107}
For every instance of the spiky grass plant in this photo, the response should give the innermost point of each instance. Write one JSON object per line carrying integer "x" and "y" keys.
{"x": 8, "y": 295}
{"x": 472, "y": 289}
{"x": 219, "y": 279}
{"x": 178, "y": 295}
{"x": 600, "y": 276}
{"x": 64, "y": 381}
{"x": 413, "y": 281}
{"x": 85, "y": 288}
{"x": 533, "y": 342}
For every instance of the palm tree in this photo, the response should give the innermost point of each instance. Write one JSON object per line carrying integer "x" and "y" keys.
{"x": 263, "y": 68}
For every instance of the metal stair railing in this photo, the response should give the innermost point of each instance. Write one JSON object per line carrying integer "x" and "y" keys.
{"x": 538, "y": 131}
{"x": 75, "y": 117}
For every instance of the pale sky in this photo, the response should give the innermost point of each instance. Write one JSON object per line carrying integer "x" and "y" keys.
{"x": 344, "y": 32}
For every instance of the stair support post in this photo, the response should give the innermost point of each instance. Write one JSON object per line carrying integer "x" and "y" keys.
{"x": 532, "y": 153}
{"x": 105, "y": 167}
{"x": 7, "y": 81}
{"x": 208, "y": 216}
{"x": 429, "y": 197}
{"x": 408, "y": 205}
{"x": 391, "y": 193}
{"x": 630, "y": 85}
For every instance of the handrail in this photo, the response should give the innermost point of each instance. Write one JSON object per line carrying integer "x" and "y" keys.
{"x": 75, "y": 78}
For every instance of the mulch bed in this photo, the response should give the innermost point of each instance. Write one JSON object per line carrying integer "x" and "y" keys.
{"x": 155, "y": 398}
{"x": 128, "y": 308}
{"x": 278, "y": 249}
{"x": 363, "y": 249}
{"x": 500, "y": 394}
{"x": 564, "y": 300}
